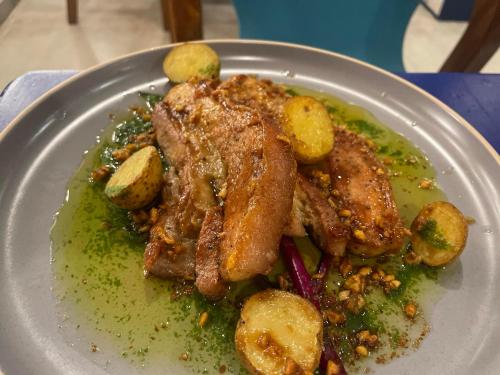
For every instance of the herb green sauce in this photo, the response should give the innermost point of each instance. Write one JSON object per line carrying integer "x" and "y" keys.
{"x": 98, "y": 265}
{"x": 430, "y": 233}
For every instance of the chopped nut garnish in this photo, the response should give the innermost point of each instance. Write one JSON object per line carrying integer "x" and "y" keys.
{"x": 139, "y": 217}
{"x": 395, "y": 284}
{"x": 425, "y": 184}
{"x": 355, "y": 303}
{"x": 93, "y": 348}
{"x": 412, "y": 258}
{"x": 100, "y": 173}
{"x": 355, "y": 284}
{"x": 380, "y": 172}
{"x": 363, "y": 335}
{"x": 332, "y": 368}
{"x": 153, "y": 215}
{"x": 410, "y": 310}
{"x": 344, "y": 295}
{"x": 324, "y": 178}
{"x": 166, "y": 238}
{"x": 121, "y": 155}
{"x": 378, "y": 275}
{"x": 345, "y": 213}
{"x": 389, "y": 278}
{"x": 203, "y": 319}
{"x": 283, "y": 282}
{"x": 366, "y": 337}
{"x": 223, "y": 191}
{"x": 335, "y": 317}
{"x": 184, "y": 356}
{"x": 365, "y": 271}
{"x": 359, "y": 234}
{"x": 361, "y": 350}
{"x": 345, "y": 267}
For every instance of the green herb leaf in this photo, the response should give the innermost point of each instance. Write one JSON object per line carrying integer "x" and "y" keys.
{"x": 430, "y": 233}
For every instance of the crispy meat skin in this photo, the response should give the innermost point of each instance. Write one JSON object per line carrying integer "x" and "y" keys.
{"x": 208, "y": 280}
{"x": 365, "y": 190}
{"x": 327, "y": 231}
{"x": 259, "y": 94}
{"x": 260, "y": 171}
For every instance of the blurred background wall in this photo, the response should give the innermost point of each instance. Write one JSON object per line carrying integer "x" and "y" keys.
{"x": 36, "y": 34}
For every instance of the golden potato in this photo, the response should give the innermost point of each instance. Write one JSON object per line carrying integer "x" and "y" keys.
{"x": 439, "y": 233}
{"x": 279, "y": 330}
{"x": 137, "y": 181}
{"x": 191, "y": 60}
{"x": 309, "y": 127}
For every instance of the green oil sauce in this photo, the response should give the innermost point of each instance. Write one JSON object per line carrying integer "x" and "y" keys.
{"x": 120, "y": 314}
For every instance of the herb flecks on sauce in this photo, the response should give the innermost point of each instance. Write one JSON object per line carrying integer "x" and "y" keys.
{"x": 99, "y": 266}
{"x": 431, "y": 234}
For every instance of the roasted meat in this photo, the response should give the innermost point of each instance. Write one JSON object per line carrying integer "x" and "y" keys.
{"x": 260, "y": 94}
{"x": 320, "y": 218}
{"x": 235, "y": 151}
{"x": 169, "y": 253}
{"x": 362, "y": 189}
{"x": 208, "y": 279}
{"x": 187, "y": 195}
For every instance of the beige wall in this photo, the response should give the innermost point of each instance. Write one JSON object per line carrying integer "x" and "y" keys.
{"x": 6, "y": 7}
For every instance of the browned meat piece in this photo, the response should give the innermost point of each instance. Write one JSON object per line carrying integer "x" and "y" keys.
{"x": 196, "y": 163}
{"x": 167, "y": 254}
{"x": 320, "y": 217}
{"x": 260, "y": 174}
{"x": 261, "y": 94}
{"x": 363, "y": 188}
{"x": 208, "y": 280}
{"x": 187, "y": 196}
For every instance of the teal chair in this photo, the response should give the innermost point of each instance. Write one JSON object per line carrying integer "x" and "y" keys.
{"x": 370, "y": 30}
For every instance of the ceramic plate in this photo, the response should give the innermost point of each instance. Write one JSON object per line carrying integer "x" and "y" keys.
{"x": 42, "y": 148}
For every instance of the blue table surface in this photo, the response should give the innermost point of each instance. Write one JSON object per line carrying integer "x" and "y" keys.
{"x": 476, "y": 97}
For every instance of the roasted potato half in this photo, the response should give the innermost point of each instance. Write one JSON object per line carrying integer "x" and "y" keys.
{"x": 278, "y": 332}
{"x": 309, "y": 128}
{"x": 439, "y": 233}
{"x": 191, "y": 60}
{"x": 137, "y": 181}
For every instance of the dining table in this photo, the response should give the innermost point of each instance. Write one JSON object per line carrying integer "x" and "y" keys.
{"x": 475, "y": 96}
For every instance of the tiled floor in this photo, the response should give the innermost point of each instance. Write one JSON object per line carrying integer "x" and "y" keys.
{"x": 36, "y": 35}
